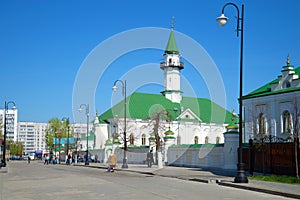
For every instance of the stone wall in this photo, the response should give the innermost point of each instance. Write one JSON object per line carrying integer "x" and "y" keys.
{"x": 195, "y": 155}
{"x": 205, "y": 155}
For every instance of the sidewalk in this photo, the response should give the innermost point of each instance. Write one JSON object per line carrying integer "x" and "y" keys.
{"x": 212, "y": 176}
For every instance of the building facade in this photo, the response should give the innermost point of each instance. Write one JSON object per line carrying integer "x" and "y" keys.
{"x": 11, "y": 123}
{"x": 273, "y": 109}
{"x": 32, "y": 136}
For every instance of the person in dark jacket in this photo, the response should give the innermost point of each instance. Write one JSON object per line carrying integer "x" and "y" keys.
{"x": 150, "y": 158}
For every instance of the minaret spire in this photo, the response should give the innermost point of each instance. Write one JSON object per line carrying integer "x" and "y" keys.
{"x": 171, "y": 47}
{"x": 288, "y": 62}
{"x": 172, "y": 24}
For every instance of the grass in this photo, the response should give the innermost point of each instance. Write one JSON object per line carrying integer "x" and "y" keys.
{"x": 280, "y": 179}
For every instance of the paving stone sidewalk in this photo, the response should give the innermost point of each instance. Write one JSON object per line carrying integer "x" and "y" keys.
{"x": 210, "y": 176}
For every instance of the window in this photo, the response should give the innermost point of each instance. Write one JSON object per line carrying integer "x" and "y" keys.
{"x": 131, "y": 139}
{"x": 206, "y": 140}
{"x": 217, "y": 140}
{"x": 286, "y": 122}
{"x": 143, "y": 139}
{"x": 196, "y": 140}
{"x": 286, "y": 84}
{"x": 261, "y": 124}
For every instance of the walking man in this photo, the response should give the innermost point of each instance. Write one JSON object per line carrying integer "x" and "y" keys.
{"x": 150, "y": 158}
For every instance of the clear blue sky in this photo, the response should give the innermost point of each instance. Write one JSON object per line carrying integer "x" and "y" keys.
{"x": 43, "y": 45}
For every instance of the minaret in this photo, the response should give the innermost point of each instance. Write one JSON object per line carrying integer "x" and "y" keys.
{"x": 172, "y": 66}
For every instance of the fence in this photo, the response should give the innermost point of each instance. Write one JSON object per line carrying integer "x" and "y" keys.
{"x": 271, "y": 155}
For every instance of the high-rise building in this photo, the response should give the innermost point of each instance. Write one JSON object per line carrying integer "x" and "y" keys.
{"x": 11, "y": 123}
{"x": 32, "y": 136}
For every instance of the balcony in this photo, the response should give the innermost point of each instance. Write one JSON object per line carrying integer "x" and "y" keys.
{"x": 168, "y": 64}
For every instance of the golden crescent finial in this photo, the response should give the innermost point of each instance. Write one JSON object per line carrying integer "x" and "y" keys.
{"x": 288, "y": 60}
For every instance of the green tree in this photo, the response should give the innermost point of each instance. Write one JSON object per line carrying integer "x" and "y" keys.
{"x": 57, "y": 129}
{"x": 67, "y": 132}
{"x": 52, "y": 132}
{"x": 16, "y": 148}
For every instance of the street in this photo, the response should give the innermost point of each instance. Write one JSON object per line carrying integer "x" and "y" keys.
{"x": 39, "y": 181}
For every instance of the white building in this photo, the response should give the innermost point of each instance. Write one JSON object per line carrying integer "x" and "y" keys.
{"x": 189, "y": 121}
{"x": 32, "y": 136}
{"x": 272, "y": 108}
{"x": 80, "y": 131}
{"x": 11, "y": 123}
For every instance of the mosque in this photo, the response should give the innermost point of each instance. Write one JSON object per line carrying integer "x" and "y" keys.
{"x": 189, "y": 120}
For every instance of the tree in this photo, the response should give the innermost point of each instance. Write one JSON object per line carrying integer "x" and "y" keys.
{"x": 156, "y": 117}
{"x": 51, "y": 132}
{"x": 16, "y": 148}
{"x": 67, "y": 131}
{"x": 295, "y": 132}
{"x": 57, "y": 129}
{"x": 1, "y": 126}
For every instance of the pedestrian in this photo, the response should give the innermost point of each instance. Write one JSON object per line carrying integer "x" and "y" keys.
{"x": 149, "y": 158}
{"x": 46, "y": 160}
{"x": 69, "y": 159}
{"x": 28, "y": 160}
{"x": 112, "y": 162}
{"x": 96, "y": 158}
{"x": 55, "y": 160}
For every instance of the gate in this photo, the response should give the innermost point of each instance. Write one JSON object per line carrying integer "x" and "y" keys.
{"x": 272, "y": 155}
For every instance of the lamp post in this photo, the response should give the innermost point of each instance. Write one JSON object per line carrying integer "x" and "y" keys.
{"x": 241, "y": 176}
{"x": 54, "y": 130}
{"x": 125, "y": 165}
{"x": 87, "y": 112}
{"x": 67, "y": 121}
{"x": 5, "y": 132}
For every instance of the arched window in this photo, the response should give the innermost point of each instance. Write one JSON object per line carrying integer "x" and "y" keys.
{"x": 261, "y": 124}
{"x": 286, "y": 84}
{"x": 143, "y": 139}
{"x": 286, "y": 119}
{"x": 196, "y": 140}
{"x": 206, "y": 140}
{"x": 131, "y": 139}
{"x": 218, "y": 140}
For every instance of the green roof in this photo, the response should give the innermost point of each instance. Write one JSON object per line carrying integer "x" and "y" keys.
{"x": 171, "y": 47}
{"x": 265, "y": 90}
{"x": 143, "y": 105}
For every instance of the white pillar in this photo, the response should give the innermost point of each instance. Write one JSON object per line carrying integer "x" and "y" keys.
{"x": 230, "y": 150}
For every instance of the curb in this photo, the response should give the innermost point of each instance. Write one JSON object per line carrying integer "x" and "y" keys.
{"x": 284, "y": 194}
{"x": 3, "y": 169}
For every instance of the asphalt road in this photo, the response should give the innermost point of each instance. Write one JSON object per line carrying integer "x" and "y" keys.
{"x": 42, "y": 182}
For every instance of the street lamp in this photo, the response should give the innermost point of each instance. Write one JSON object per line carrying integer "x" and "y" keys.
{"x": 4, "y": 126}
{"x": 87, "y": 112}
{"x": 125, "y": 165}
{"x": 67, "y": 121}
{"x": 241, "y": 176}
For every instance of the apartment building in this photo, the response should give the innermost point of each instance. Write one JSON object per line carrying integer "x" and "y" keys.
{"x": 11, "y": 123}
{"x": 32, "y": 136}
